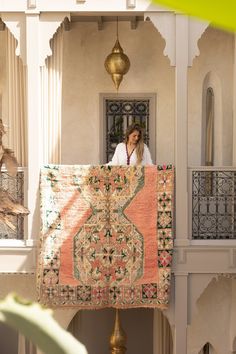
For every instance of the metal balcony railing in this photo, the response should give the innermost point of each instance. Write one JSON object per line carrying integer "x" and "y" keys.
{"x": 15, "y": 187}
{"x": 212, "y": 193}
{"x": 213, "y": 199}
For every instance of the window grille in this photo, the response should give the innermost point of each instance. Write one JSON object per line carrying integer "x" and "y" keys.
{"x": 213, "y": 205}
{"x": 120, "y": 113}
{"x": 15, "y": 187}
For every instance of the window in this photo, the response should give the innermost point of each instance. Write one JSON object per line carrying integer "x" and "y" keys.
{"x": 209, "y": 141}
{"x": 121, "y": 111}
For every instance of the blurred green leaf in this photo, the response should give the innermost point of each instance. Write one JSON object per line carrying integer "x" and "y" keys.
{"x": 219, "y": 13}
{"x": 38, "y": 325}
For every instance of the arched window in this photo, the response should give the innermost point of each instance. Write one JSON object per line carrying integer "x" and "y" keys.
{"x": 234, "y": 346}
{"x": 207, "y": 349}
{"x": 209, "y": 129}
{"x": 212, "y": 150}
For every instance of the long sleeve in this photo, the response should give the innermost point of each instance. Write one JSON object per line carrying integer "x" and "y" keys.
{"x": 115, "y": 159}
{"x": 120, "y": 156}
{"x": 147, "y": 159}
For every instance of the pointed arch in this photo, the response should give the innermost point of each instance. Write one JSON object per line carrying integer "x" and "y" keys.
{"x": 207, "y": 349}
{"x": 212, "y": 315}
{"x": 234, "y": 346}
{"x": 212, "y": 118}
{"x": 48, "y": 25}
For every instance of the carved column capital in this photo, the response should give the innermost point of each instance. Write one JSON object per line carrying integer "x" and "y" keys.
{"x": 196, "y": 30}
{"x": 165, "y": 23}
{"x": 15, "y": 22}
{"x": 48, "y": 25}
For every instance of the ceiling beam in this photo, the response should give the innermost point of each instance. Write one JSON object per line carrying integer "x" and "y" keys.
{"x": 100, "y": 23}
{"x": 134, "y": 22}
{"x": 66, "y": 24}
{"x": 2, "y": 25}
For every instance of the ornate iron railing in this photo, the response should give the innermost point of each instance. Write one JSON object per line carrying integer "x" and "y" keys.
{"x": 15, "y": 187}
{"x": 213, "y": 204}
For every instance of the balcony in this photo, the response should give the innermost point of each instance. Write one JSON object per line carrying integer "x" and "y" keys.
{"x": 212, "y": 215}
{"x": 212, "y": 198}
{"x": 15, "y": 187}
{"x": 16, "y": 256}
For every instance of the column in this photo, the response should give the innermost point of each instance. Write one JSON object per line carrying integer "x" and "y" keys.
{"x": 33, "y": 118}
{"x": 181, "y": 311}
{"x": 181, "y": 132}
{"x": 174, "y": 28}
{"x": 162, "y": 336}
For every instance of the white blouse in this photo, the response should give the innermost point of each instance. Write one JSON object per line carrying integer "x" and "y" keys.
{"x": 120, "y": 156}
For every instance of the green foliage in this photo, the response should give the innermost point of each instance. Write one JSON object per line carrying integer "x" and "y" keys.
{"x": 219, "y": 13}
{"x": 38, "y": 325}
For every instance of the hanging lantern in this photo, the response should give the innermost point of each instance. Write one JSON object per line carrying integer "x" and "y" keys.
{"x": 117, "y": 63}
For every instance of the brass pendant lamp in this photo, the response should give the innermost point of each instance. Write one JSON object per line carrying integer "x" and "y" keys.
{"x": 117, "y": 63}
{"x": 118, "y": 337}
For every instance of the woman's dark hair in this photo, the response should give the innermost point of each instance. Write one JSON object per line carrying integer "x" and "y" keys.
{"x": 140, "y": 144}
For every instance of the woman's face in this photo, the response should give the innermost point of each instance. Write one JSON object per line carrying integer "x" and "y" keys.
{"x": 134, "y": 137}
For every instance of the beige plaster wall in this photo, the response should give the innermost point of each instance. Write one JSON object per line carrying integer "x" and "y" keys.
{"x": 84, "y": 77}
{"x": 23, "y": 285}
{"x": 214, "y": 320}
{"x": 2, "y": 71}
{"x": 137, "y": 324}
{"x": 216, "y": 56}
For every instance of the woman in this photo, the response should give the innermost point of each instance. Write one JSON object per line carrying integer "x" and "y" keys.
{"x": 132, "y": 151}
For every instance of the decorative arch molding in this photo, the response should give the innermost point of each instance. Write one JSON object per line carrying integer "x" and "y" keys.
{"x": 210, "y": 348}
{"x": 64, "y": 316}
{"x": 15, "y": 22}
{"x": 48, "y": 25}
{"x": 163, "y": 332}
{"x": 213, "y": 81}
{"x": 234, "y": 346}
{"x": 196, "y": 30}
{"x": 215, "y": 308}
{"x": 198, "y": 291}
{"x": 165, "y": 23}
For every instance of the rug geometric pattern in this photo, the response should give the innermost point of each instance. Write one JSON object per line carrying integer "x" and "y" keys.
{"x": 106, "y": 238}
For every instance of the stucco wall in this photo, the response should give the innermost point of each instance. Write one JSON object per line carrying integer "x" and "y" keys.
{"x": 2, "y": 73}
{"x": 137, "y": 324}
{"x": 216, "y": 56}
{"x": 214, "y": 319}
{"x": 25, "y": 286}
{"x": 84, "y": 77}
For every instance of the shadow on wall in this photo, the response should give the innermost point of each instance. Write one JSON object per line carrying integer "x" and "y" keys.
{"x": 8, "y": 340}
{"x": 214, "y": 323}
{"x": 94, "y": 328}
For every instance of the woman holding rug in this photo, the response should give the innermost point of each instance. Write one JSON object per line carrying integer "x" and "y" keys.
{"x": 132, "y": 151}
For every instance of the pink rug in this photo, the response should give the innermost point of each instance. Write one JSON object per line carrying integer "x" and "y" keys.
{"x": 106, "y": 236}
